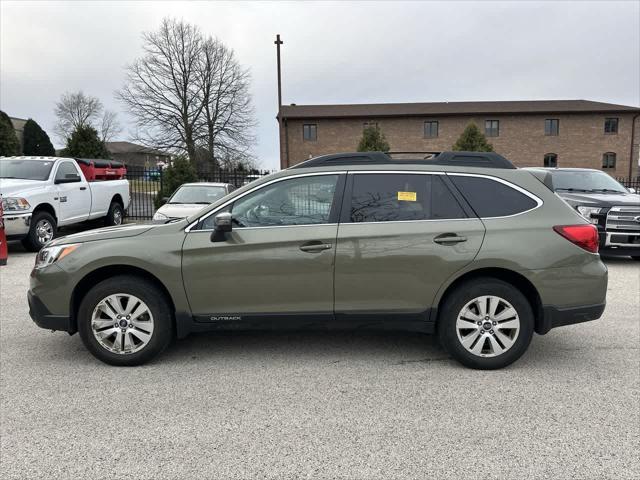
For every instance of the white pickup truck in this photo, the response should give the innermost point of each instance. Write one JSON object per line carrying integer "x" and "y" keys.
{"x": 40, "y": 194}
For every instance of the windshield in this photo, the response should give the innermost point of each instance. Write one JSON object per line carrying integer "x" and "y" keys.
{"x": 204, "y": 194}
{"x": 25, "y": 169}
{"x": 585, "y": 181}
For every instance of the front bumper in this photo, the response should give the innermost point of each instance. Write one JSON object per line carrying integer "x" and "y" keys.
{"x": 16, "y": 226}
{"x": 619, "y": 243}
{"x": 42, "y": 317}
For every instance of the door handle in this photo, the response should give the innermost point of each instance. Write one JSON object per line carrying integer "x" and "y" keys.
{"x": 449, "y": 239}
{"x": 83, "y": 188}
{"x": 316, "y": 246}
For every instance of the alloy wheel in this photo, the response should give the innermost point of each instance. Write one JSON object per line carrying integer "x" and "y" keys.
{"x": 44, "y": 231}
{"x": 488, "y": 326}
{"x": 122, "y": 323}
{"x": 117, "y": 216}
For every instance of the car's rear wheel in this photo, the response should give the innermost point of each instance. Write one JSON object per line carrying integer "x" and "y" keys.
{"x": 41, "y": 230}
{"x": 115, "y": 215}
{"x": 486, "y": 324}
{"x": 125, "y": 321}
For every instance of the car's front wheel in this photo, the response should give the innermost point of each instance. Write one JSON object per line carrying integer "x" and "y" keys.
{"x": 125, "y": 321}
{"x": 486, "y": 324}
{"x": 41, "y": 230}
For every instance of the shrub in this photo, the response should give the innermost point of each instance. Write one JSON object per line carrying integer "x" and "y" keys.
{"x": 36, "y": 141}
{"x": 373, "y": 140}
{"x": 85, "y": 143}
{"x": 472, "y": 140}
{"x": 9, "y": 143}
{"x": 181, "y": 171}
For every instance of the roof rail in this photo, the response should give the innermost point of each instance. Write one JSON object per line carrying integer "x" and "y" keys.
{"x": 461, "y": 159}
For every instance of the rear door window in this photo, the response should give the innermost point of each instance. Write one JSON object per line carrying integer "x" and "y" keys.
{"x": 401, "y": 197}
{"x": 491, "y": 198}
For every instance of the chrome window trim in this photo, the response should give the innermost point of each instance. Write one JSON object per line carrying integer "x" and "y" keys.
{"x": 535, "y": 198}
{"x": 258, "y": 187}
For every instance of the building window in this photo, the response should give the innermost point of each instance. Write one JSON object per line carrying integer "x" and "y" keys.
{"x": 431, "y": 129}
{"x": 609, "y": 160}
{"x": 610, "y": 126}
{"x": 366, "y": 125}
{"x": 551, "y": 127}
{"x": 310, "y": 132}
{"x": 492, "y": 128}
{"x": 551, "y": 160}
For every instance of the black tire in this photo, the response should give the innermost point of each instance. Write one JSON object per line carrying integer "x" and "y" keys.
{"x": 465, "y": 293}
{"x": 636, "y": 258}
{"x": 144, "y": 290}
{"x": 115, "y": 215}
{"x": 32, "y": 242}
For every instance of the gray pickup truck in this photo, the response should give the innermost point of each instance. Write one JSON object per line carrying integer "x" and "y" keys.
{"x": 612, "y": 208}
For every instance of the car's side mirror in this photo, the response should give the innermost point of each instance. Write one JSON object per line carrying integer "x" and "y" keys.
{"x": 222, "y": 223}
{"x": 164, "y": 200}
{"x": 632, "y": 190}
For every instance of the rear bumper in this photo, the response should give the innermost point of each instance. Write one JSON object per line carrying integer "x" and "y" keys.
{"x": 16, "y": 226}
{"x": 43, "y": 318}
{"x": 554, "y": 317}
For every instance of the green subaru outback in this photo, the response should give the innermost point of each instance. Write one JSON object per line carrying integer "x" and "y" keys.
{"x": 463, "y": 245}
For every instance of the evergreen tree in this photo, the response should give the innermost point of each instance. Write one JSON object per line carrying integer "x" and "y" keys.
{"x": 373, "y": 140}
{"x": 85, "y": 143}
{"x": 36, "y": 141}
{"x": 181, "y": 171}
{"x": 9, "y": 143}
{"x": 472, "y": 140}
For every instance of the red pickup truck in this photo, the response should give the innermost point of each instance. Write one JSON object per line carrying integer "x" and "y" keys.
{"x": 3, "y": 240}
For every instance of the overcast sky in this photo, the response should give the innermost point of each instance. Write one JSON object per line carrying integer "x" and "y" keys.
{"x": 349, "y": 52}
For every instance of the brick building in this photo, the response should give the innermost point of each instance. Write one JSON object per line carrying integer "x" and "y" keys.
{"x": 566, "y": 133}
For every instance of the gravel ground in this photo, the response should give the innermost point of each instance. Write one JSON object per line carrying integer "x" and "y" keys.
{"x": 348, "y": 405}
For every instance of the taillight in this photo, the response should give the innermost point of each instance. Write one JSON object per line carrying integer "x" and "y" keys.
{"x": 584, "y": 236}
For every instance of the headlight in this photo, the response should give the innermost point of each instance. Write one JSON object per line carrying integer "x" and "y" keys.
{"x": 49, "y": 255}
{"x": 159, "y": 216}
{"x": 13, "y": 204}
{"x": 586, "y": 212}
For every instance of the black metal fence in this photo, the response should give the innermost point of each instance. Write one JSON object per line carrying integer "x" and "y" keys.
{"x": 145, "y": 186}
{"x": 630, "y": 182}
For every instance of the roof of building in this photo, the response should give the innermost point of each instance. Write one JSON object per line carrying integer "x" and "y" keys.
{"x": 18, "y": 123}
{"x": 129, "y": 147}
{"x": 451, "y": 108}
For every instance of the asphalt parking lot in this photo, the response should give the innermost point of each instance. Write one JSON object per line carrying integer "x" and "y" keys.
{"x": 322, "y": 405}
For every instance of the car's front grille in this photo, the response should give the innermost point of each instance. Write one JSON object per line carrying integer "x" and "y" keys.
{"x": 624, "y": 218}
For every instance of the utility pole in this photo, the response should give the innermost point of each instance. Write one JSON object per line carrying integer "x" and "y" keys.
{"x": 279, "y": 42}
{"x": 284, "y": 160}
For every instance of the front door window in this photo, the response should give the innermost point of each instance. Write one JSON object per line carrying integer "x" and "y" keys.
{"x": 299, "y": 201}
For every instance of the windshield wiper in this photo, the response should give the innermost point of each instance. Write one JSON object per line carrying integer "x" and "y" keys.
{"x": 606, "y": 190}
{"x": 574, "y": 189}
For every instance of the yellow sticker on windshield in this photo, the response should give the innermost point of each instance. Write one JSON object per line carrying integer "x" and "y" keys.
{"x": 407, "y": 196}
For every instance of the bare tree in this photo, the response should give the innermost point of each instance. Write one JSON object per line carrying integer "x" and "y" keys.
{"x": 162, "y": 90}
{"x": 225, "y": 127}
{"x": 189, "y": 93}
{"x": 75, "y": 110}
{"x": 109, "y": 126}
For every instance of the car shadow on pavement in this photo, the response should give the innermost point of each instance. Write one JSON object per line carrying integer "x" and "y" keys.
{"x": 296, "y": 346}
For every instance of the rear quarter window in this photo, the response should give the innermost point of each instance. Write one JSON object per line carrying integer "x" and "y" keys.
{"x": 490, "y": 198}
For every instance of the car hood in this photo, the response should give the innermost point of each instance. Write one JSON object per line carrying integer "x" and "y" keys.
{"x": 600, "y": 199}
{"x": 181, "y": 210}
{"x": 11, "y": 187}
{"x": 106, "y": 233}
